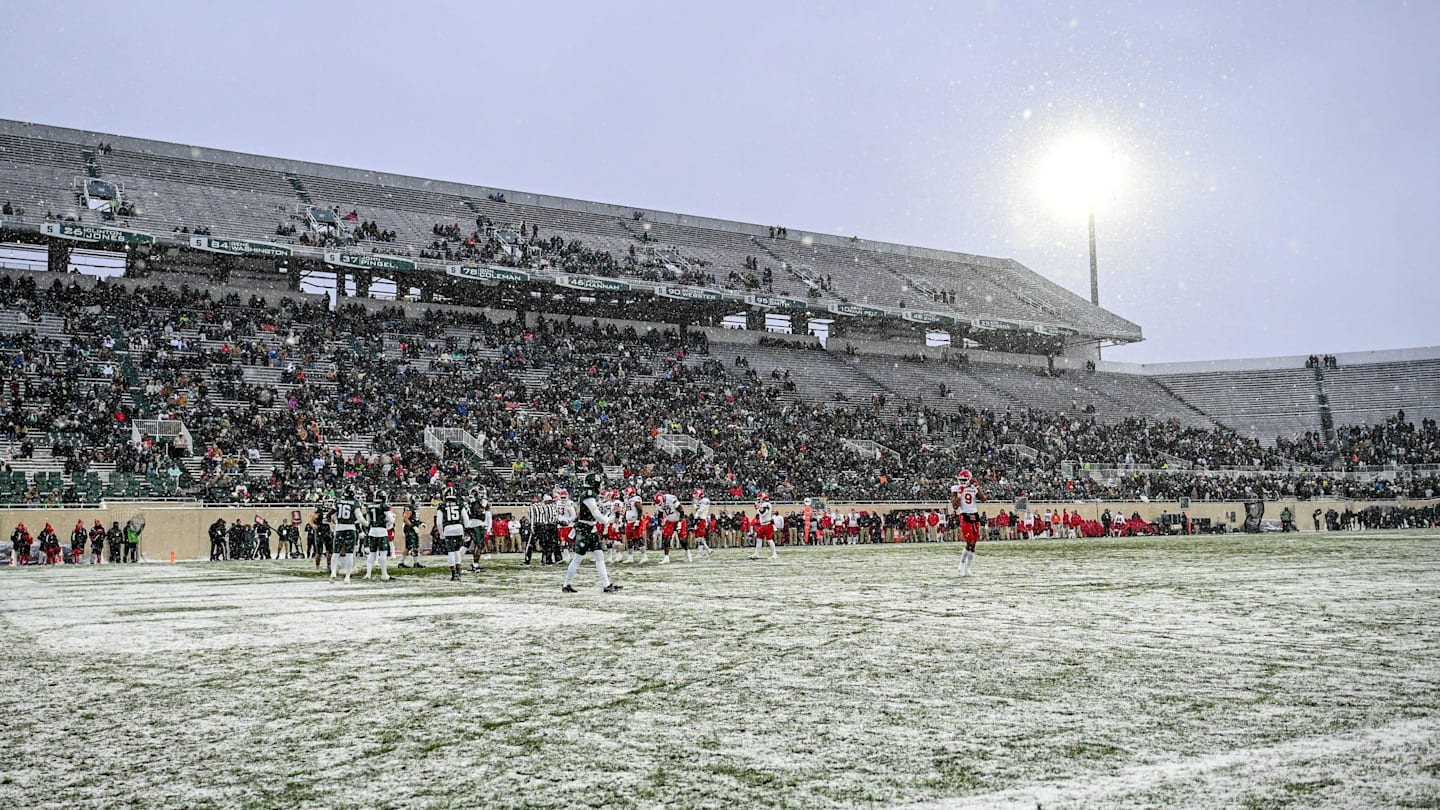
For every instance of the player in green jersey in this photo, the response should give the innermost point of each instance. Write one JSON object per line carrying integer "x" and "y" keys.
{"x": 589, "y": 532}
{"x": 377, "y": 540}
{"x": 347, "y": 515}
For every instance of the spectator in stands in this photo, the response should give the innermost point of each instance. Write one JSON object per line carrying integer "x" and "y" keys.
{"x": 386, "y": 376}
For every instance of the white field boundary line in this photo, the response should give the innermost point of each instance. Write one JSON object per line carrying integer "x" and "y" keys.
{"x": 1087, "y": 791}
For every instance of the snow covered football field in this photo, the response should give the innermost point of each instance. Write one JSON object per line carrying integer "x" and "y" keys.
{"x": 1274, "y": 671}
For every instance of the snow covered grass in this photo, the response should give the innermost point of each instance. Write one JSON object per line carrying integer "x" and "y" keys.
{"x": 1274, "y": 671}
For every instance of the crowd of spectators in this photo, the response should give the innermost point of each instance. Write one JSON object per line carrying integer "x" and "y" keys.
{"x": 521, "y": 245}
{"x": 345, "y": 395}
{"x": 1394, "y": 441}
{"x": 369, "y": 230}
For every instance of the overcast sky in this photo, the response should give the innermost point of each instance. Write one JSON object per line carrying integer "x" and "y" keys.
{"x": 1281, "y": 197}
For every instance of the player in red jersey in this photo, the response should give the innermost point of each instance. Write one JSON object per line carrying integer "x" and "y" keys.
{"x": 634, "y": 526}
{"x": 764, "y": 526}
{"x": 964, "y": 499}
{"x": 672, "y": 525}
{"x": 566, "y": 513}
{"x": 700, "y": 523}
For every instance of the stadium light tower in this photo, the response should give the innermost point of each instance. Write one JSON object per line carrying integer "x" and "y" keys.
{"x": 1094, "y": 265}
{"x": 1078, "y": 173}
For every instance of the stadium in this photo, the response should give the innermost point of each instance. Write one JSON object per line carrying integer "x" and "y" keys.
{"x": 1197, "y": 583}
{"x": 221, "y": 365}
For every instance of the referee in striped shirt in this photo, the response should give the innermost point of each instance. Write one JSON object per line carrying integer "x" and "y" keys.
{"x": 544, "y": 531}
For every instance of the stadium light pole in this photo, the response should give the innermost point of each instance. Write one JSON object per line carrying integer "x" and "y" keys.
{"x": 1094, "y": 265}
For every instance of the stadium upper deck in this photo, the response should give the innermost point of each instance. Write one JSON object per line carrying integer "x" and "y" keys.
{"x": 238, "y": 196}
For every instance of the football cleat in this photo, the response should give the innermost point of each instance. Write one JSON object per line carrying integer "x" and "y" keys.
{"x": 611, "y": 588}
{"x": 568, "y": 589}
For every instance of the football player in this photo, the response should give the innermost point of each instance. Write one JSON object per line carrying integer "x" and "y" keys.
{"x": 634, "y": 526}
{"x": 764, "y": 526}
{"x": 377, "y": 542}
{"x": 477, "y": 526}
{"x": 672, "y": 523}
{"x": 565, "y": 515}
{"x": 347, "y": 513}
{"x": 411, "y": 530}
{"x": 614, "y": 535}
{"x": 451, "y": 518}
{"x": 324, "y": 536}
{"x": 590, "y": 527}
{"x": 700, "y": 525}
{"x": 964, "y": 499}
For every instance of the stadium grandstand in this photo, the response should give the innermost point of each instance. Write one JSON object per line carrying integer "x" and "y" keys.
{"x": 183, "y": 322}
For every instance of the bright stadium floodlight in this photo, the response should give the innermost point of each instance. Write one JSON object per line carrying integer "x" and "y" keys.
{"x": 1079, "y": 172}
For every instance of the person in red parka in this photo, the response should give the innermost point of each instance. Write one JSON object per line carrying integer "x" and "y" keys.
{"x": 50, "y": 545}
{"x": 20, "y": 542}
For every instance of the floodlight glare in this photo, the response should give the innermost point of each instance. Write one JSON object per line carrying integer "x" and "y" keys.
{"x": 1079, "y": 172}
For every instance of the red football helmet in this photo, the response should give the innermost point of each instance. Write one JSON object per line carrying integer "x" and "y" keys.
{"x": 629, "y": 492}
{"x": 965, "y": 476}
{"x": 699, "y": 493}
{"x": 659, "y": 498}
{"x": 764, "y": 496}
